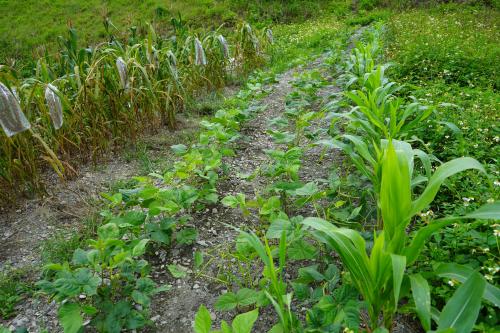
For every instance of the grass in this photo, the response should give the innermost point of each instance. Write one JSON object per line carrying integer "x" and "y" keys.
{"x": 453, "y": 43}
{"x": 14, "y": 286}
{"x": 27, "y": 27}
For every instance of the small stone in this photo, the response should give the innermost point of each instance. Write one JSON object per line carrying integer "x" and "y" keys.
{"x": 155, "y": 318}
{"x": 196, "y": 286}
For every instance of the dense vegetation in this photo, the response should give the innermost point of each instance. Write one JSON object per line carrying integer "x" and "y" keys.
{"x": 402, "y": 224}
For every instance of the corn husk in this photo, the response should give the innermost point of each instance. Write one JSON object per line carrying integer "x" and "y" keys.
{"x": 12, "y": 119}
{"x": 269, "y": 35}
{"x": 200, "y": 57}
{"x": 224, "y": 46}
{"x": 55, "y": 106}
{"x": 122, "y": 72}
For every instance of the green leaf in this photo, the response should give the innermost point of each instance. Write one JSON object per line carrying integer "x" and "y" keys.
{"x": 461, "y": 311}
{"x": 187, "y": 236}
{"x": 242, "y": 298}
{"x": 277, "y": 226}
{"x": 422, "y": 298}
{"x": 198, "y": 259}
{"x": 446, "y": 170}
{"x": 202, "y": 320}
{"x": 226, "y": 302}
{"x": 177, "y": 271}
{"x": 230, "y": 201}
{"x": 488, "y": 211}
{"x": 307, "y": 190}
{"x": 179, "y": 149}
{"x": 462, "y": 273}
{"x": 301, "y": 250}
{"x": 244, "y": 322}
{"x": 70, "y": 317}
{"x": 398, "y": 271}
{"x": 140, "y": 248}
{"x": 108, "y": 231}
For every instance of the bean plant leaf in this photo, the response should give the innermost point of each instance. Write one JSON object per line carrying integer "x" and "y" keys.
{"x": 70, "y": 317}
{"x": 140, "y": 248}
{"x": 244, "y": 322}
{"x": 202, "y": 320}
{"x": 179, "y": 149}
{"x": 177, "y": 271}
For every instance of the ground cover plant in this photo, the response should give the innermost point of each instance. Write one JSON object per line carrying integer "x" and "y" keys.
{"x": 342, "y": 189}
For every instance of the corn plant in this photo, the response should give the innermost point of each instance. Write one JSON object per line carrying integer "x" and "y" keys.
{"x": 378, "y": 275}
{"x": 85, "y": 101}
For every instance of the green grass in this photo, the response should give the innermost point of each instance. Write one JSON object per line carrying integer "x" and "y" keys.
{"x": 456, "y": 44}
{"x": 27, "y": 25}
{"x": 14, "y": 286}
{"x": 28, "y": 28}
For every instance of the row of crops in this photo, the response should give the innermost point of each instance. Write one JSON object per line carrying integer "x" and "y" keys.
{"x": 360, "y": 281}
{"x": 83, "y": 101}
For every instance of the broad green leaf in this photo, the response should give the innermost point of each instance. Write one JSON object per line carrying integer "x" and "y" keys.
{"x": 307, "y": 190}
{"x": 244, "y": 322}
{"x": 422, "y": 298}
{"x": 202, "y": 320}
{"x": 70, "y": 317}
{"x": 177, "y": 271}
{"x": 461, "y": 311}
{"x": 301, "y": 250}
{"x": 140, "y": 248}
{"x": 230, "y": 201}
{"x": 462, "y": 273}
{"x": 186, "y": 236}
{"x": 108, "y": 231}
{"x": 179, "y": 149}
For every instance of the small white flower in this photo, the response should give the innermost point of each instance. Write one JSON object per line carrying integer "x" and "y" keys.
{"x": 488, "y": 277}
{"x": 496, "y": 232}
{"x": 490, "y": 200}
{"x": 496, "y": 183}
{"x": 451, "y": 283}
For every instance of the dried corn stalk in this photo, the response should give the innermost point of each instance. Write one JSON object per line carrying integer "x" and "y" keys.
{"x": 122, "y": 72}
{"x": 55, "y": 106}
{"x": 12, "y": 118}
{"x": 200, "y": 58}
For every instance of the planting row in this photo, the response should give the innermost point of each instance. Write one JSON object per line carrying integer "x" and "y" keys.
{"x": 378, "y": 262}
{"x": 84, "y": 101}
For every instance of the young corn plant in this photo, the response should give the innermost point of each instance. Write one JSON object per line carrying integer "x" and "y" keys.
{"x": 378, "y": 275}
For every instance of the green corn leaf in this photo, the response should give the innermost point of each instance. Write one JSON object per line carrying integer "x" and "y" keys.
{"x": 398, "y": 271}
{"x": 488, "y": 211}
{"x": 462, "y": 309}
{"x": 422, "y": 298}
{"x": 462, "y": 273}
{"x": 351, "y": 247}
{"x": 446, "y": 170}
{"x": 395, "y": 198}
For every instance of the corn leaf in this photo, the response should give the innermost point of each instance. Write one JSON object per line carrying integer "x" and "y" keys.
{"x": 462, "y": 309}
{"x": 422, "y": 298}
